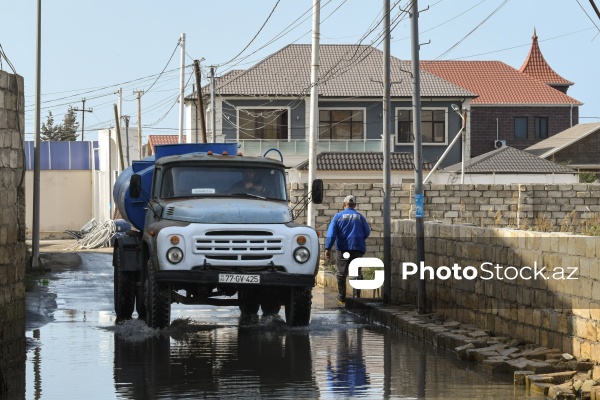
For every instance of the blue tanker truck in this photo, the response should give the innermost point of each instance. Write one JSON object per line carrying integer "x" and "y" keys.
{"x": 211, "y": 224}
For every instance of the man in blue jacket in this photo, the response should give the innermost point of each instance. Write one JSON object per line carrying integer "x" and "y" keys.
{"x": 348, "y": 230}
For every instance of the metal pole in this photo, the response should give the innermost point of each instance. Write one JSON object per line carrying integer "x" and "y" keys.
{"x": 199, "y": 103}
{"x": 181, "y": 87}
{"x": 419, "y": 202}
{"x": 387, "y": 106}
{"x": 314, "y": 107}
{"x": 464, "y": 145}
{"x": 109, "y": 171}
{"x": 213, "y": 111}
{"x": 126, "y": 117}
{"x": 35, "y": 234}
{"x": 83, "y": 119}
{"x": 139, "y": 99}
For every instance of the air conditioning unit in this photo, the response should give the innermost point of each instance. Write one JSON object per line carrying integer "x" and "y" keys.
{"x": 499, "y": 143}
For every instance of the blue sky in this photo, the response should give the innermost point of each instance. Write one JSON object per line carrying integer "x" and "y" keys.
{"x": 91, "y": 48}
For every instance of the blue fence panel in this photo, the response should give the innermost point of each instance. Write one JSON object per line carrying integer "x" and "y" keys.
{"x": 63, "y": 155}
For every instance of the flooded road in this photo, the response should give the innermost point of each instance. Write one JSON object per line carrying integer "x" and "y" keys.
{"x": 77, "y": 351}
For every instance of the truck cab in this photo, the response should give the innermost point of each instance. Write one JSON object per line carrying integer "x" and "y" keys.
{"x": 217, "y": 229}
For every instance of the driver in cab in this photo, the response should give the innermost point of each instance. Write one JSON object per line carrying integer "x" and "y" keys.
{"x": 249, "y": 184}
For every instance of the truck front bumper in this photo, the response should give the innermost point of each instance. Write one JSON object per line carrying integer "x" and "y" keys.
{"x": 269, "y": 278}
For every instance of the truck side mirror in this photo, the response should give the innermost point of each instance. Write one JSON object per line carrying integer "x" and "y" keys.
{"x": 317, "y": 191}
{"x": 135, "y": 186}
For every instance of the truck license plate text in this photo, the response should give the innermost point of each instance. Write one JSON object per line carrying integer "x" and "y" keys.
{"x": 238, "y": 278}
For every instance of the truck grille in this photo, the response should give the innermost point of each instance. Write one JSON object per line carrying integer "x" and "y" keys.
{"x": 238, "y": 245}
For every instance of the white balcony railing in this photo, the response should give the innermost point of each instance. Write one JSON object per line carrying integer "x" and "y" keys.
{"x": 258, "y": 147}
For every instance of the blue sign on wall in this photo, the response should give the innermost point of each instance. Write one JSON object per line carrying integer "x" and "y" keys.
{"x": 64, "y": 155}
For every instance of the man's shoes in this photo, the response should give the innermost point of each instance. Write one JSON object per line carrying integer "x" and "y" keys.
{"x": 341, "y": 299}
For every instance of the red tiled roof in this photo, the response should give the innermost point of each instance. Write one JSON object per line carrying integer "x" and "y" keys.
{"x": 497, "y": 83}
{"x": 154, "y": 140}
{"x": 536, "y": 66}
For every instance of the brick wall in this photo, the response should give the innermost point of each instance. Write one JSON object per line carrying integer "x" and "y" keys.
{"x": 554, "y": 313}
{"x": 12, "y": 234}
{"x": 584, "y": 151}
{"x": 484, "y": 119}
{"x": 528, "y": 206}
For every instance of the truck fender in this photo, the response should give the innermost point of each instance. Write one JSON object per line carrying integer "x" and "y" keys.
{"x": 129, "y": 251}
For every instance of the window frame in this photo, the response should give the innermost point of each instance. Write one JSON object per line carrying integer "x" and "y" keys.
{"x": 397, "y": 121}
{"x": 238, "y": 109}
{"x": 536, "y": 132}
{"x": 526, "y": 128}
{"x": 364, "y": 113}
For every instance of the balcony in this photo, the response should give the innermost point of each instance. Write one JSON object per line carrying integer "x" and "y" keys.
{"x": 298, "y": 149}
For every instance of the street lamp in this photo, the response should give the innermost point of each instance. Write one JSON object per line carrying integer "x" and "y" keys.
{"x": 464, "y": 139}
{"x": 458, "y": 135}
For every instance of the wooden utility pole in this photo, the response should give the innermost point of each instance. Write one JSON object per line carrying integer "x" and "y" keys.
{"x": 199, "y": 104}
{"x": 120, "y": 150}
{"x": 83, "y": 111}
{"x": 139, "y": 99}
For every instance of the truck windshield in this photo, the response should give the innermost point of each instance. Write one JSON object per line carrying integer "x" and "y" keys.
{"x": 190, "y": 181}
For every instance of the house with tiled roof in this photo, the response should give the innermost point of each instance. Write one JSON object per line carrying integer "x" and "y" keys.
{"x": 359, "y": 167}
{"x": 513, "y": 107}
{"x": 267, "y": 105}
{"x": 155, "y": 140}
{"x": 578, "y": 147}
{"x": 506, "y": 165}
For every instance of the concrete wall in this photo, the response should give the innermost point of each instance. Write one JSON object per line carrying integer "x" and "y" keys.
{"x": 562, "y": 313}
{"x": 12, "y": 235}
{"x": 528, "y": 206}
{"x": 66, "y": 201}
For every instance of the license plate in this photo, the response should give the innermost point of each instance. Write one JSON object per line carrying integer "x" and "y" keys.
{"x": 238, "y": 278}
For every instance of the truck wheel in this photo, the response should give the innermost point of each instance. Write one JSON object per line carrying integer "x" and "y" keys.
{"x": 297, "y": 309}
{"x": 248, "y": 301}
{"x": 140, "y": 303}
{"x": 158, "y": 300}
{"x": 124, "y": 290}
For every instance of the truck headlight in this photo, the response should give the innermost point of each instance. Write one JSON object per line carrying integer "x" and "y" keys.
{"x": 174, "y": 255}
{"x": 301, "y": 255}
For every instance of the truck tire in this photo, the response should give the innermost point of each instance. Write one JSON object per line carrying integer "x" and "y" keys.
{"x": 124, "y": 290}
{"x": 270, "y": 300}
{"x": 140, "y": 303}
{"x": 297, "y": 308}
{"x": 248, "y": 301}
{"x": 158, "y": 300}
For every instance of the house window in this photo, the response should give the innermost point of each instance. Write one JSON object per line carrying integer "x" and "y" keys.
{"x": 520, "y": 127}
{"x": 541, "y": 127}
{"x": 433, "y": 126}
{"x": 257, "y": 123}
{"x": 341, "y": 124}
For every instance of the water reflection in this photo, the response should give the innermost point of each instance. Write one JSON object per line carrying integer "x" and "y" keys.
{"x": 348, "y": 374}
{"x": 245, "y": 361}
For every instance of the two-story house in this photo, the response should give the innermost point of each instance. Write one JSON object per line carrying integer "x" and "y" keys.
{"x": 267, "y": 105}
{"x": 514, "y": 107}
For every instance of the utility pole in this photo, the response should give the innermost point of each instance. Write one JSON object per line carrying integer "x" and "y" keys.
{"x": 139, "y": 99}
{"x": 181, "y": 87}
{"x": 83, "y": 111}
{"x": 120, "y": 147}
{"x": 418, "y": 155}
{"x": 126, "y": 118}
{"x": 199, "y": 103}
{"x": 314, "y": 106}
{"x": 35, "y": 234}
{"x": 387, "y": 107}
{"x": 213, "y": 111}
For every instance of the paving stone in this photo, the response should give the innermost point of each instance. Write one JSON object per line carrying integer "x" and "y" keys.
{"x": 540, "y": 388}
{"x": 494, "y": 365}
{"x": 562, "y": 392}
{"x": 508, "y": 352}
{"x": 519, "y": 377}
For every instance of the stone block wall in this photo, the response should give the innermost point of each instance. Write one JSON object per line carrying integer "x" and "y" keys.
{"x": 566, "y": 207}
{"x": 561, "y": 313}
{"x": 12, "y": 234}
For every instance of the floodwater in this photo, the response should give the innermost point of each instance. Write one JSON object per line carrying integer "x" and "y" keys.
{"x": 77, "y": 351}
